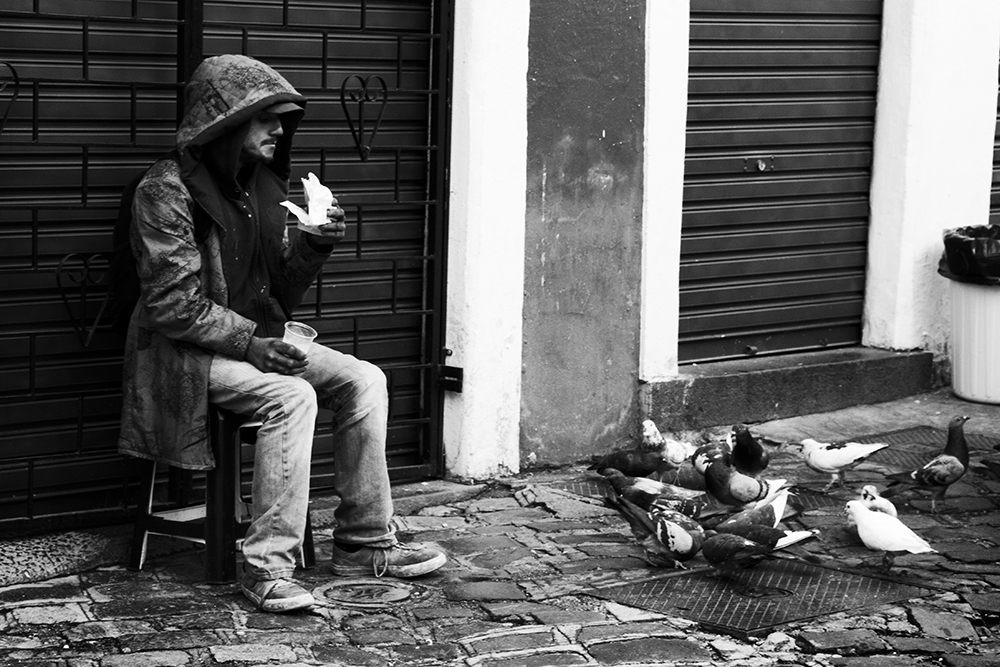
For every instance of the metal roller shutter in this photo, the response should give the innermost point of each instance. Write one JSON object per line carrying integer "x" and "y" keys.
{"x": 995, "y": 189}
{"x": 97, "y": 102}
{"x": 779, "y": 139}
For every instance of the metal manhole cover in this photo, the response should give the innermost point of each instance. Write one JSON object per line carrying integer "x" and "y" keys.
{"x": 366, "y": 593}
{"x": 774, "y": 593}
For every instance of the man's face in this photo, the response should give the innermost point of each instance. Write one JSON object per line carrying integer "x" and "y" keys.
{"x": 261, "y": 140}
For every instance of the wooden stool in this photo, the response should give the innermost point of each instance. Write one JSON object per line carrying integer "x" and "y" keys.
{"x": 221, "y": 522}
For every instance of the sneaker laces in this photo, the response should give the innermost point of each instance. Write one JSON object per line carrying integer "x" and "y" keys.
{"x": 385, "y": 551}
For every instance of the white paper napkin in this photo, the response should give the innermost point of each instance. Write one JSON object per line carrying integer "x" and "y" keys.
{"x": 318, "y": 200}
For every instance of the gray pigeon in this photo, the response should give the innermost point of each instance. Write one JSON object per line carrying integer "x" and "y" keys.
{"x": 940, "y": 472}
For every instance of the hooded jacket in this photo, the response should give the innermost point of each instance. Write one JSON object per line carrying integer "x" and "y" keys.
{"x": 193, "y": 224}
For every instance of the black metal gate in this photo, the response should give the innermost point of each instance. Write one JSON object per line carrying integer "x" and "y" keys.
{"x": 89, "y": 95}
{"x": 780, "y": 124}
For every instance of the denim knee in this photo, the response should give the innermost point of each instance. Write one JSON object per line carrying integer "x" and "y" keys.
{"x": 298, "y": 397}
{"x": 371, "y": 377}
{"x": 365, "y": 394}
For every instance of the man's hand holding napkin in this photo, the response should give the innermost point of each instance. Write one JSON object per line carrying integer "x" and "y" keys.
{"x": 322, "y": 216}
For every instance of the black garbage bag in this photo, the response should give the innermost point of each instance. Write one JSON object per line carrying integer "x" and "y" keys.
{"x": 972, "y": 255}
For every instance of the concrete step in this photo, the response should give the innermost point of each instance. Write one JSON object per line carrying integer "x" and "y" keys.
{"x": 760, "y": 389}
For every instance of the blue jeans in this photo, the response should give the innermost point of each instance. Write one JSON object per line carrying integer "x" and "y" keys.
{"x": 355, "y": 391}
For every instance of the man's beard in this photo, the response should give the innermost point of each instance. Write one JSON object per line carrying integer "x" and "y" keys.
{"x": 257, "y": 156}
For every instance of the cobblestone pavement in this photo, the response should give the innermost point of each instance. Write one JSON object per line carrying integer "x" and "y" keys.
{"x": 542, "y": 573}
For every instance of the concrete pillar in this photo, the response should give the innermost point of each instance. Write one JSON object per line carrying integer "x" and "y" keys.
{"x": 667, "y": 36}
{"x": 932, "y": 167}
{"x": 486, "y": 235}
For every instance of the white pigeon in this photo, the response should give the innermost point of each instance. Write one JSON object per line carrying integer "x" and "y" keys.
{"x": 871, "y": 499}
{"x": 674, "y": 451}
{"x": 882, "y": 532}
{"x": 652, "y": 439}
{"x": 835, "y": 458}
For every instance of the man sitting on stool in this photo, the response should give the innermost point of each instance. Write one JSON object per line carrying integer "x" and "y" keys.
{"x": 218, "y": 280}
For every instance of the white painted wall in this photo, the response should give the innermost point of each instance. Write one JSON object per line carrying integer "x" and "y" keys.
{"x": 932, "y": 170}
{"x": 667, "y": 36}
{"x": 932, "y": 166}
{"x": 486, "y": 235}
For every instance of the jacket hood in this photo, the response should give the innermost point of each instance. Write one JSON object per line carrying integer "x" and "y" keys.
{"x": 224, "y": 92}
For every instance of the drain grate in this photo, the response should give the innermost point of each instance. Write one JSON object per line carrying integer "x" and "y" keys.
{"x": 928, "y": 437}
{"x": 774, "y": 593}
{"x": 813, "y": 500}
{"x": 588, "y": 488}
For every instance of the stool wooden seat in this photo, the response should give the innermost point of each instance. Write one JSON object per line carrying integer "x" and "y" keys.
{"x": 221, "y": 522}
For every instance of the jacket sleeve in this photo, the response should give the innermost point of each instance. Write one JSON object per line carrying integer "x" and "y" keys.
{"x": 173, "y": 278}
{"x": 297, "y": 269}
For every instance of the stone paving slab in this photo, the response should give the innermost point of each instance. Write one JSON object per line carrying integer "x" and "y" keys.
{"x": 463, "y": 616}
{"x": 518, "y": 591}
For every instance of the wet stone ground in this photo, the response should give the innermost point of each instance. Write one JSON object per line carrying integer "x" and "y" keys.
{"x": 537, "y": 566}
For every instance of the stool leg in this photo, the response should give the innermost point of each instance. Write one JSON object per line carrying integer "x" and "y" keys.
{"x": 308, "y": 548}
{"x": 220, "y": 519}
{"x": 140, "y": 533}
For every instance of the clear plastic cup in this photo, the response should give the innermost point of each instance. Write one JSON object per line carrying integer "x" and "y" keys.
{"x": 300, "y": 335}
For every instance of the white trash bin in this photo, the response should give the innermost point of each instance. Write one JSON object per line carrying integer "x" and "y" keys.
{"x": 975, "y": 341}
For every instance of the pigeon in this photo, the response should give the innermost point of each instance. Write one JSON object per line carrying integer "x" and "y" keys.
{"x": 876, "y": 503}
{"x": 770, "y": 511}
{"x": 685, "y": 476}
{"x": 731, "y": 487}
{"x": 704, "y": 455}
{"x": 940, "y": 472}
{"x": 729, "y": 552}
{"x": 748, "y": 455}
{"x": 761, "y": 522}
{"x": 674, "y": 451}
{"x": 692, "y": 507}
{"x": 633, "y": 462}
{"x": 643, "y": 491}
{"x": 769, "y": 536}
{"x": 882, "y": 532}
{"x": 871, "y": 499}
{"x": 835, "y": 458}
{"x": 679, "y": 533}
{"x": 989, "y": 469}
{"x": 652, "y": 439}
{"x": 668, "y": 538}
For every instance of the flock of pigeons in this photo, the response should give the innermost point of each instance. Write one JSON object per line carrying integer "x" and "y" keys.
{"x": 674, "y": 521}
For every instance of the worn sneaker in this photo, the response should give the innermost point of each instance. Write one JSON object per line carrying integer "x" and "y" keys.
{"x": 276, "y": 595}
{"x": 399, "y": 560}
